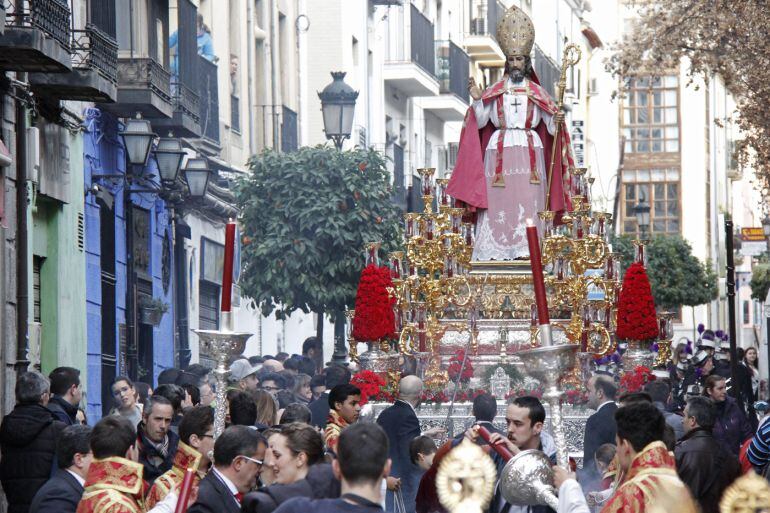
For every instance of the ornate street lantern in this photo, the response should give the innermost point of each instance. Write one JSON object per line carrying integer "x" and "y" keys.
{"x": 338, "y": 103}
{"x": 197, "y": 174}
{"x": 137, "y": 138}
{"x": 169, "y": 154}
{"x": 642, "y": 213}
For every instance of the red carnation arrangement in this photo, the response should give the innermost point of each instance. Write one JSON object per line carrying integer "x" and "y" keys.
{"x": 635, "y": 380}
{"x": 369, "y": 383}
{"x": 456, "y": 363}
{"x": 636, "y": 308}
{"x": 374, "y": 319}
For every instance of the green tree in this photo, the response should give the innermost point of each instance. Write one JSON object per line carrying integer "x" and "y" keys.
{"x": 306, "y": 217}
{"x": 677, "y": 277}
{"x": 760, "y": 281}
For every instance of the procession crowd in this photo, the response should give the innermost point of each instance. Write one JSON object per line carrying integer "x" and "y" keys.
{"x": 293, "y": 442}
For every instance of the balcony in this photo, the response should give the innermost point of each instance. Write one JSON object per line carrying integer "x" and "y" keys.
{"x": 480, "y": 42}
{"x": 143, "y": 86}
{"x": 185, "y": 120}
{"x": 452, "y": 70}
{"x": 36, "y": 36}
{"x": 208, "y": 91}
{"x": 94, "y": 74}
{"x": 410, "y": 61}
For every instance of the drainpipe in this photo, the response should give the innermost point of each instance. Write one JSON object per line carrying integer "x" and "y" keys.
{"x": 132, "y": 348}
{"x": 22, "y": 244}
{"x": 250, "y": 75}
{"x": 274, "y": 58}
{"x": 179, "y": 233}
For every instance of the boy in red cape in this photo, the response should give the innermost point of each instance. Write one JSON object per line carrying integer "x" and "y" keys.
{"x": 506, "y": 148}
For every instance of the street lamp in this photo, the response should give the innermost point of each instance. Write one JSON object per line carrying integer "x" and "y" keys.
{"x": 338, "y": 103}
{"x": 137, "y": 138}
{"x": 197, "y": 174}
{"x": 642, "y": 213}
{"x": 169, "y": 154}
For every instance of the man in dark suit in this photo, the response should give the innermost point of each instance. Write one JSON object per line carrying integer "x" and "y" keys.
{"x": 484, "y": 411}
{"x": 319, "y": 409}
{"x": 600, "y": 427}
{"x": 61, "y": 494}
{"x": 401, "y": 425}
{"x": 238, "y": 456}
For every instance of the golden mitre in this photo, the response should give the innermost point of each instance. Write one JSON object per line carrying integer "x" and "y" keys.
{"x": 515, "y": 33}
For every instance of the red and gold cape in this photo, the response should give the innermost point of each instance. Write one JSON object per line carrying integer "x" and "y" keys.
{"x": 334, "y": 426}
{"x": 468, "y": 183}
{"x": 651, "y": 484}
{"x": 185, "y": 457}
{"x": 113, "y": 485}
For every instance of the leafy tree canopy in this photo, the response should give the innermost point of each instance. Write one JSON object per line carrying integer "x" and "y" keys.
{"x": 760, "y": 281}
{"x": 725, "y": 37}
{"x": 676, "y": 276}
{"x": 306, "y": 217}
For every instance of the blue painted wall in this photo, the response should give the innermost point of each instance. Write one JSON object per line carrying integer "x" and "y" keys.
{"x": 104, "y": 154}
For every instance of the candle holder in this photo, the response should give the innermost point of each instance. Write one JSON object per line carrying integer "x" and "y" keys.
{"x": 548, "y": 365}
{"x": 221, "y": 345}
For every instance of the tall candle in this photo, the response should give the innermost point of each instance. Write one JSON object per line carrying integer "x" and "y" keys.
{"x": 227, "y": 268}
{"x": 500, "y": 447}
{"x": 537, "y": 273}
{"x": 184, "y": 491}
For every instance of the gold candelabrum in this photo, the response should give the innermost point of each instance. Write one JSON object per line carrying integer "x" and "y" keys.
{"x": 584, "y": 277}
{"x": 666, "y": 329}
{"x": 430, "y": 276}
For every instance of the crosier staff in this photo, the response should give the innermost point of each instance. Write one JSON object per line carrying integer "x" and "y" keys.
{"x": 570, "y": 58}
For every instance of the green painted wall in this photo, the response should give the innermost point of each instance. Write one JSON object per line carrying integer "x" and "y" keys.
{"x": 62, "y": 273}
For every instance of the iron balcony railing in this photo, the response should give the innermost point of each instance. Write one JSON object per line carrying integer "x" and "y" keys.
{"x": 452, "y": 68}
{"x": 50, "y": 16}
{"x": 289, "y": 135}
{"x": 235, "y": 113}
{"x": 186, "y": 100}
{"x": 421, "y": 41}
{"x": 93, "y": 49}
{"x": 484, "y": 17}
{"x": 209, "y": 99}
{"x": 547, "y": 71}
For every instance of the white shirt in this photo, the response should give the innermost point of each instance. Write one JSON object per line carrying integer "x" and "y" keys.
{"x": 515, "y": 114}
{"x": 230, "y": 486}
{"x": 571, "y": 499}
{"x": 77, "y": 476}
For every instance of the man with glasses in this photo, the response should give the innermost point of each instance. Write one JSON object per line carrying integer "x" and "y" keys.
{"x": 272, "y": 383}
{"x": 238, "y": 455}
{"x": 61, "y": 494}
{"x": 196, "y": 441}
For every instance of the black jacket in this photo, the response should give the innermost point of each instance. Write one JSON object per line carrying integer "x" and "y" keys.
{"x": 705, "y": 467}
{"x": 148, "y": 453}
{"x": 401, "y": 425}
{"x": 319, "y": 410}
{"x": 63, "y": 410}
{"x": 61, "y": 494}
{"x": 319, "y": 483}
{"x": 731, "y": 428}
{"x": 214, "y": 497}
{"x": 600, "y": 429}
{"x": 28, "y": 443}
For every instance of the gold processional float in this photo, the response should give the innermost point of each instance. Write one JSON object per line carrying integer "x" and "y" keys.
{"x": 440, "y": 293}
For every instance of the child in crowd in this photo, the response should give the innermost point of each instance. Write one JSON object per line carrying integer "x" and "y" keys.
{"x": 422, "y": 450}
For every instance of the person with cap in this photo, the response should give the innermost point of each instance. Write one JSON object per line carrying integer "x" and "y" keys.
{"x": 243, "y": 376}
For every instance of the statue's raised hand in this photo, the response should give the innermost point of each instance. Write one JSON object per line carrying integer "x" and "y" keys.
{"x": 474, "y": 89}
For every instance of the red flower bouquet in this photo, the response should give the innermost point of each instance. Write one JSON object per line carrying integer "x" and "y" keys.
{"x": 374, "y": 319}
{"x": 636, "y": 308}
{"x": 456, "y": 363}
{"x": 634, "y": 381}
{"x": 369, "y": 383}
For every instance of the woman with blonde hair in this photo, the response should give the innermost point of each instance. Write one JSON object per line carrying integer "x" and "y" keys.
{"x": 267, "y": 410}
